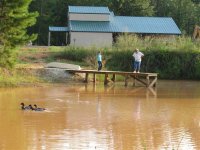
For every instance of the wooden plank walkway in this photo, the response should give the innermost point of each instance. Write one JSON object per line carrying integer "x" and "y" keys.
{"x": 147, "y": 79}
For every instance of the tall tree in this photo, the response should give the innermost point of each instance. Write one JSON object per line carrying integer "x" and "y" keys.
{"x": 196, "y": 1}
{"x": 51, "y": 13}
{"x": 131, "y": 7}
{"x": 14, "y": 20}
{"x": 161, "y": 7}
{"x": 184, "y": 12}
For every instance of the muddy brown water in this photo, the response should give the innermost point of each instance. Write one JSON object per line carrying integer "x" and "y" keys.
{"x": 85, "y": 117}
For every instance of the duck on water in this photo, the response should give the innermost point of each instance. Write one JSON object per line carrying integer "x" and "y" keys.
{"x": 30, "y": 107}
{"x": 38, "y": 109}
{"x": 23, "y": 107}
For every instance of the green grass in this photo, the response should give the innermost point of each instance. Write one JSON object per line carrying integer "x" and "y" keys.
{"x": 179, "y": 56}
{"x": 178, "y": 43}
{"x": 13, "y": 78}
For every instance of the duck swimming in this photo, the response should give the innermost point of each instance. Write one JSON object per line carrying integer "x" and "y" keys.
{"x": 31, "y": 107}
{"x": 23, "y": 107}
{"x": 38, "y": 109}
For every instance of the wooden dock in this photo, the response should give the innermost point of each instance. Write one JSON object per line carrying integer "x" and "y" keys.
{"x": 147, "y": 79}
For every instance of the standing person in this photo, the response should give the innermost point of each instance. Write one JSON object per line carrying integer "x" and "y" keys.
{"x": 99, "y": 59}
{"x": 137, "y": 60}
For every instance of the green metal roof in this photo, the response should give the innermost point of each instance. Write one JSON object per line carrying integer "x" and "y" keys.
{"x": 88, "y": 10}
{"x": 152, "y": 25}
{"x": 157, "y": 25}
{"x": 92, "y": 26}
{"x": 58, "y": 29}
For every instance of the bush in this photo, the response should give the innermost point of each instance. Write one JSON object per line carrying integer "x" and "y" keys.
{"x": 178, "y": 58}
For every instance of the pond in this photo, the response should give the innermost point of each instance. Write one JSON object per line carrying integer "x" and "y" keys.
{"x": 114, "y": 117}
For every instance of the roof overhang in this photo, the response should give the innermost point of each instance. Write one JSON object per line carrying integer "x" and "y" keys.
{"x": 58, "y": 29}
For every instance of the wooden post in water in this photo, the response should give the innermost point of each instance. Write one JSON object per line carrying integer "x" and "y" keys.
{"x": 86, "y": 77}
{"x": 134, "y": 81}
{"x": 94, "y": 77}
{"x": 153, "y": 83}
{"x": 126, "y": 80}
{"x": 106, "y": 79}
{"x": 147, "y": 83}
{"x": 113, "y": 78}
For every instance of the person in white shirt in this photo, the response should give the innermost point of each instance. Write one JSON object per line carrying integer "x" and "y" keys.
{"x": 137, "y": 60}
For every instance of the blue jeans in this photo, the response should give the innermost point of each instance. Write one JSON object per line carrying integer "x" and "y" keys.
{"x": 137, "y": 65}
{"x": 99, "y": 65}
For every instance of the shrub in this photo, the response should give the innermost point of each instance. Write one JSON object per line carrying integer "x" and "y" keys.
{"x": 177, "y": 58}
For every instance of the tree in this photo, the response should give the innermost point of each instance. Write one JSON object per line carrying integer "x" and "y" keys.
{"x": 196, "y": 1}
{"x": 14, "y": 21}
{"x": 46, "y": 10}
{"x": 184, "y": 12}
{"x": 131, "y": 7}
{"x": 161, "y": 7}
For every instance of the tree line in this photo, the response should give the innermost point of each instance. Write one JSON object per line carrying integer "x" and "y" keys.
{"x": 186, "y": 13}
{"x": 28, "y": 20}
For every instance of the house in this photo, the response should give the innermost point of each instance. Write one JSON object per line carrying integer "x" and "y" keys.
{"x": 96, "y": 26}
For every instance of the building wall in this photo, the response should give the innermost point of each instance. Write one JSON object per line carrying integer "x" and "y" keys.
{"x": 87, "y": 39}
{"x": 89, "y": 17}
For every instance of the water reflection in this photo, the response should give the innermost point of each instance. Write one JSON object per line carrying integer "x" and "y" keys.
{"x": 104, "y": 118}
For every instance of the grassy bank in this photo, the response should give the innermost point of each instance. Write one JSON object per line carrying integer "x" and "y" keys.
{"x": 177, "y": 58}
{"x": 16, "y": 77}
{"x": 169, "y": 64}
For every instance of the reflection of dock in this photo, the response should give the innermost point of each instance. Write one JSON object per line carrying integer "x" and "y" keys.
{"x": 147, "y": 79}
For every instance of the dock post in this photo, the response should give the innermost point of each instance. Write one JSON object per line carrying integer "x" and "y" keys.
{"x": 134, "y": 81}
{"x": 86, "y": 77}
{"x": 126, "y": 80}
{"x": 147, "y": 83}
{"x": 94, "y": 78}
{"x": 153, "y": 83}
{"x": 106, "y": 79}
{"x": 113, "y": 78}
